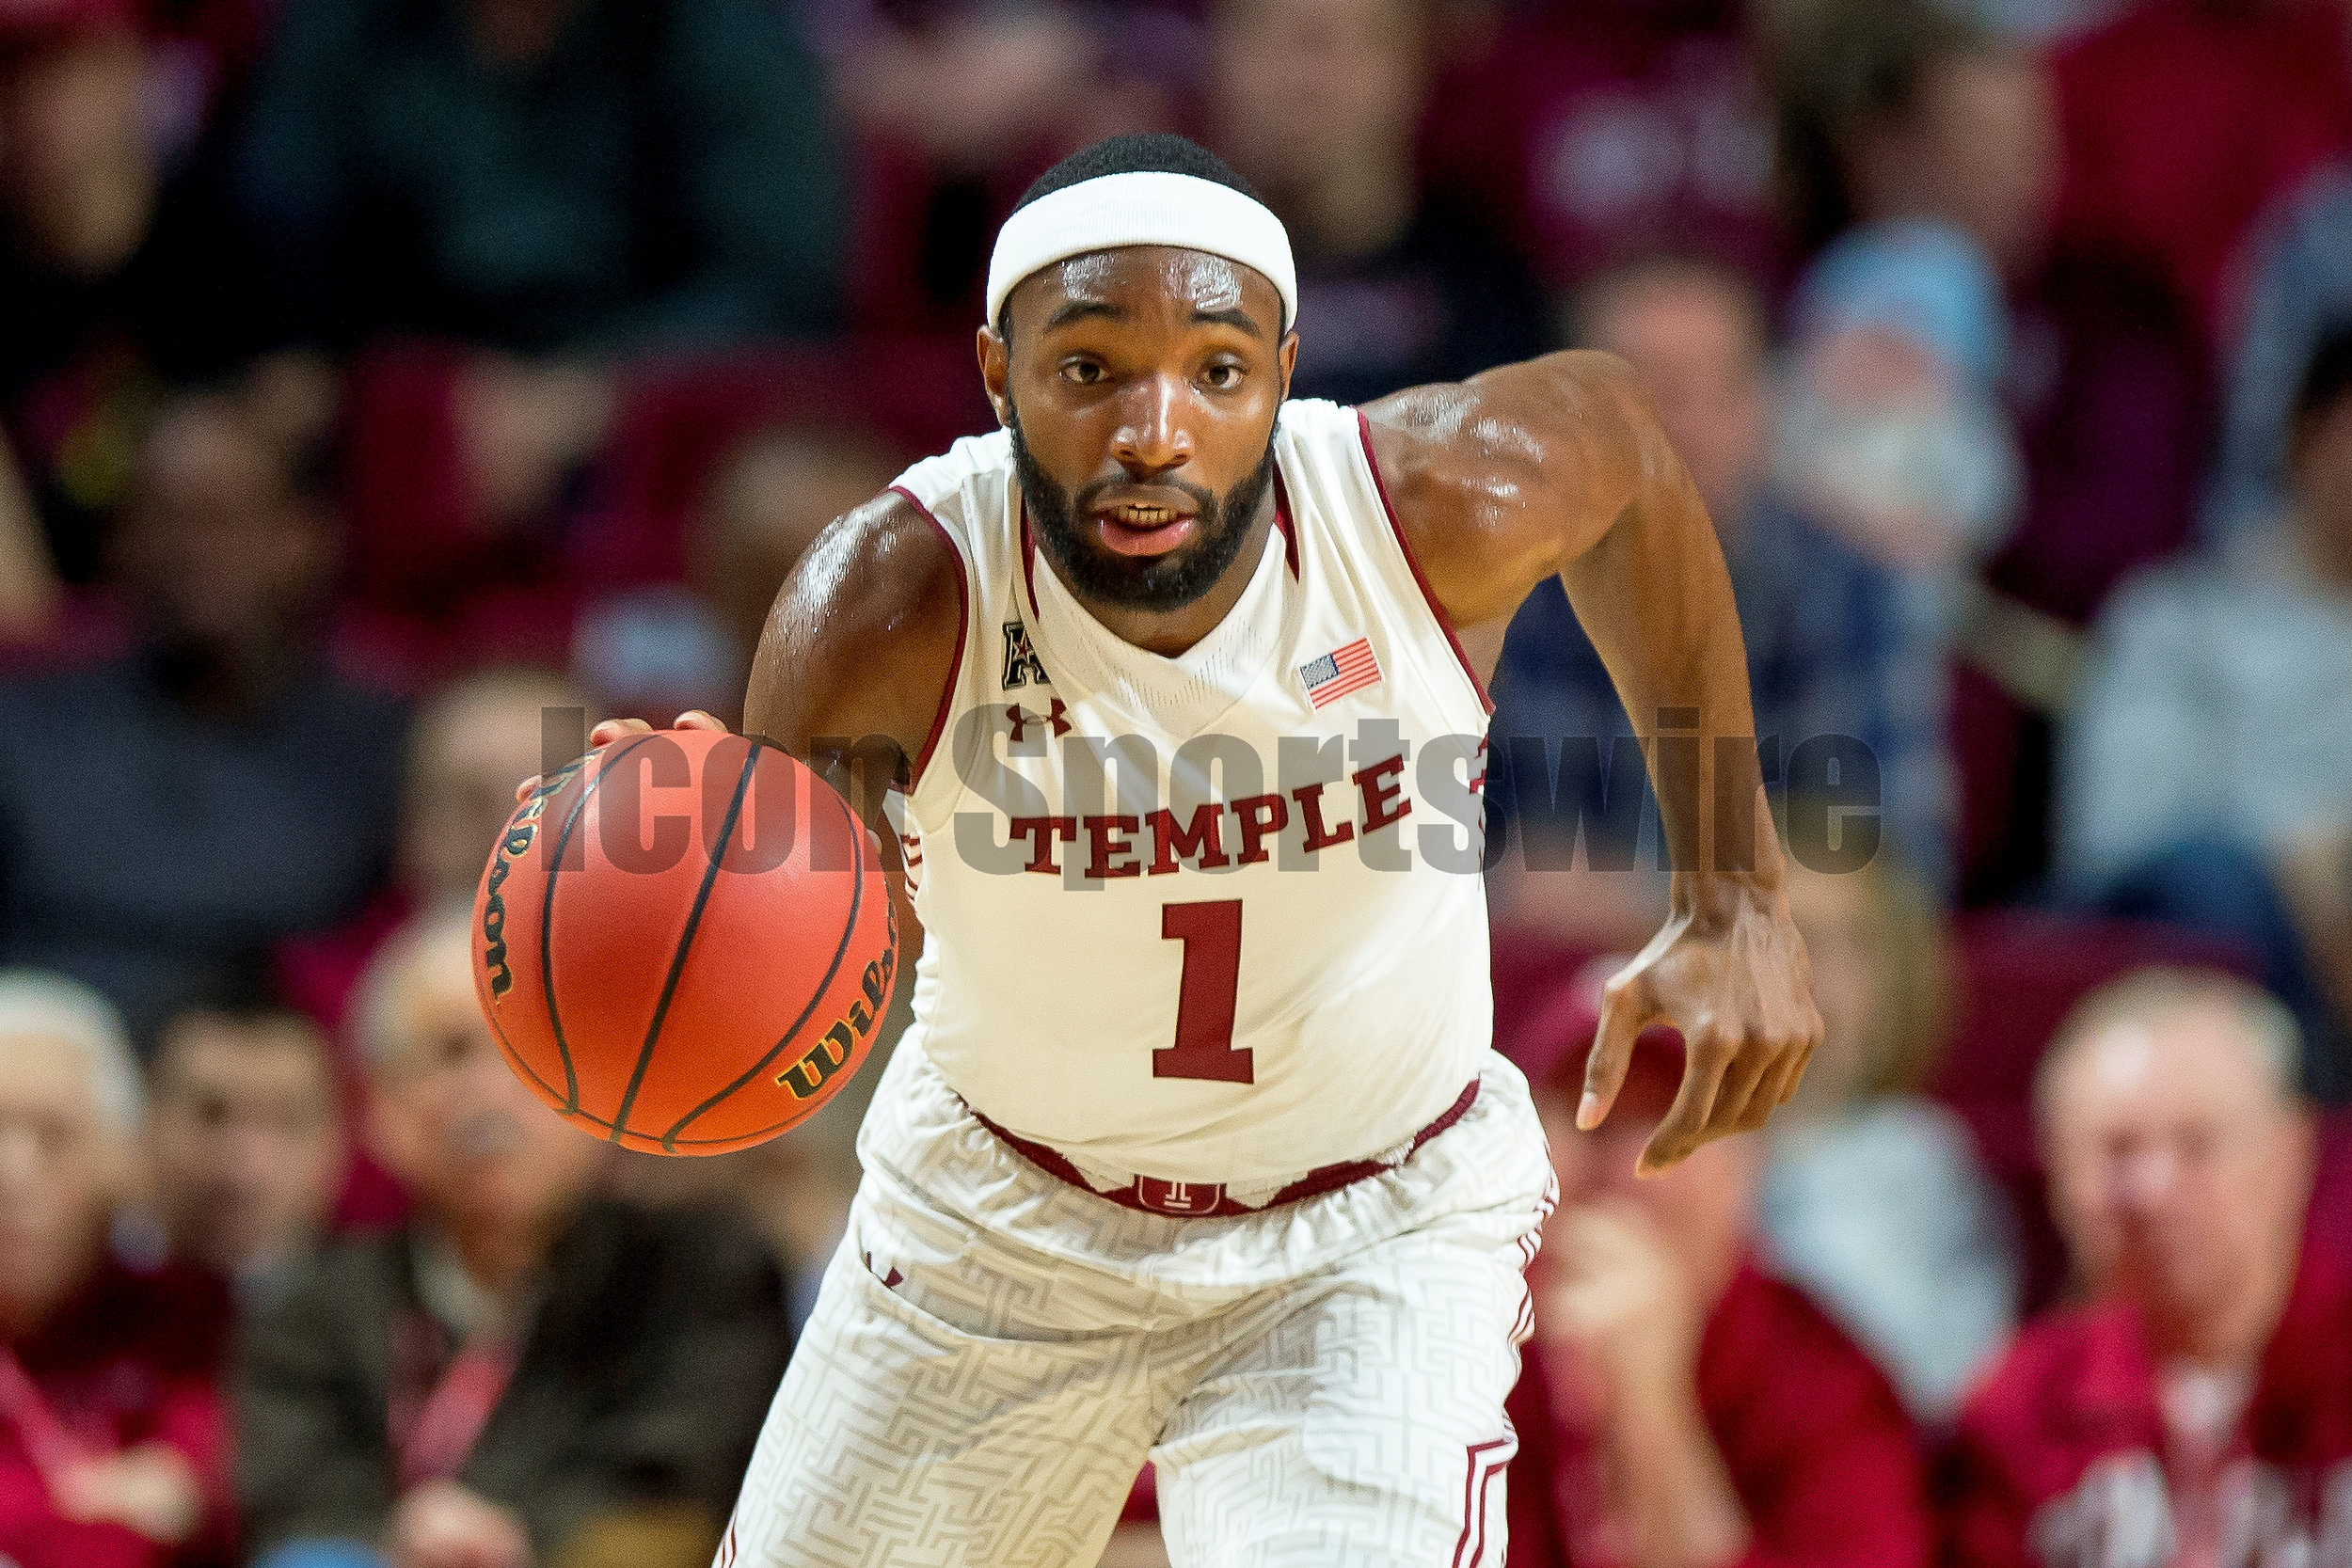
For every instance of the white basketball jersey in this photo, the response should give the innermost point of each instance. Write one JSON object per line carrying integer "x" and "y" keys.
{"x": 1215, "y": 918}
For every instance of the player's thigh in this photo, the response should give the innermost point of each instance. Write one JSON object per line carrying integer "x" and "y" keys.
{"x": 1359, "y": 1421}
{"x": 899, "y": 1438}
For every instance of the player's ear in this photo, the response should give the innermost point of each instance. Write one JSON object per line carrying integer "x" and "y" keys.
{"x": 996, "y": 367}
{"x": 1288, "y": 355}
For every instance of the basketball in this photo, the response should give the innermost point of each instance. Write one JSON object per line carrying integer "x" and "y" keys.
{"x": 683, "y": 942}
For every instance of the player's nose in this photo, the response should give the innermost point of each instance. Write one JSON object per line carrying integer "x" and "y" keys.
{"x": 1153, "y": 434}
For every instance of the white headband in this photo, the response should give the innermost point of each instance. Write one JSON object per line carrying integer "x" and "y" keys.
{"x": 1117, "y": 210}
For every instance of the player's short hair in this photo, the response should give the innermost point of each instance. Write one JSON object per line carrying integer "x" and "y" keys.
{"x": 1145, "y": 152}
{"x": 35, "y": 1002}
{"x": 2159, "y": 994}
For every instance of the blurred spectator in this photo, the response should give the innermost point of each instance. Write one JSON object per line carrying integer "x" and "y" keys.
{"x": 549, "y": 176}
{"x": 117, "y": 265}
{"x": 471, "y": 743}
{"x": 2302, "y": 285}
{"x": 2042, "y": 22}
{"x": 1922, "y": 153}
{"x": 1893, "y": 110}
{"x": 244, "y": 1143}
{"x": 1680, "y": 1409}
{"x": 661, "y": 650}
{"x": 2205, "y": 765}
{"x": 470, "y": 739}
{"x": 111, "y": 1451}
{"x": 167, "y": 813}
{"x": 1893, "y": 432}
{"x": 2196, "y": 1409}
{"x": 1874, "y": 1200}
{"x": 959, "y": 105}
{"x": 1610, "y": 129}
{"x": 1830, "y": 652}
{"x": 1315, "y": 102}
{"x": 2185, "y": 119}
{"x": 523, "y": 1371}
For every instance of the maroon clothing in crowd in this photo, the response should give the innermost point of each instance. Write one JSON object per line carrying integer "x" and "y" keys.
{"x": 1602, "y": 131}
{"x": 132, "y": 1359}
{"x": 2185, "y": 119}
{"x": 2064, "y": 1459}
{"x": 1816, "y": 1445}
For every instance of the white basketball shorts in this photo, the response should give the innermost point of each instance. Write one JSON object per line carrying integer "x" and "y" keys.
{"x": 995, "y": 1354}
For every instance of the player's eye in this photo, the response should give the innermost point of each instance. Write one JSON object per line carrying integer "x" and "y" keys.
{"x": 1083, "y": 372}
{"x": 1223, "y": 376}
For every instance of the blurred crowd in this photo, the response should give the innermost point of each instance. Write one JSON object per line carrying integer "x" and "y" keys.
{"x": 388, "y": 385}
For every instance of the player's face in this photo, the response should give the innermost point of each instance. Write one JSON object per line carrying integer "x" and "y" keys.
{"x": 1142, "y": 386}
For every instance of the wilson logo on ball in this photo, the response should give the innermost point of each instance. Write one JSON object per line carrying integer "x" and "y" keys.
{"x": 512, "y": 846}
{"x": 809, "y": 1075}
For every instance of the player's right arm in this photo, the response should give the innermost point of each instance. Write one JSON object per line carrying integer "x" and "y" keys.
{"x": 854, "y": 662}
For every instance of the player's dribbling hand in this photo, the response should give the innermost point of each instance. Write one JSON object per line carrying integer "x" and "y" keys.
{"x": 607, "y": 731}
{"x": 1736, "y": 983}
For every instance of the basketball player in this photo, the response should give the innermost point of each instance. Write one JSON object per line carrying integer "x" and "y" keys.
{"x": 1197, "y": 1151}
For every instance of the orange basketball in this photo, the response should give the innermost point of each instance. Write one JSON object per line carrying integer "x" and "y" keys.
{"x": 683, "y": 942}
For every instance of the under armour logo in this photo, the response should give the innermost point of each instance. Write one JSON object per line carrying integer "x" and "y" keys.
{"x": 1021, "y": 719}
{"x": 1179, "y": 1198}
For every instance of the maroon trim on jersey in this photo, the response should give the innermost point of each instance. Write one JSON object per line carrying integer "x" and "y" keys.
{"x": 963, "y": 635}
{"x": 1282, "y": 521}
{"x": 1445, "y": 622}
{"x": 1149, "y": 1196}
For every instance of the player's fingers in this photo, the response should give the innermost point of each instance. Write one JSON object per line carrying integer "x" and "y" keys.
{"x": 525, "y": 790}
{"x": 1627, "y": 1003}
{"x": 1773, "y": 1092}
{"x": 1744, "y": 1100}
{"x": 610, "y": 730}
{"x": 695, "y": 719}
{"x": 1706, "y": 1057}
{"x": 1795, "y": 1079}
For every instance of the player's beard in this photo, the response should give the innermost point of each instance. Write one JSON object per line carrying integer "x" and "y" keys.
{"x": 1161, "y": 582}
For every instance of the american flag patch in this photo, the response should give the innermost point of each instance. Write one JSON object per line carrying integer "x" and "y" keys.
{"x": 1341, "y": 672}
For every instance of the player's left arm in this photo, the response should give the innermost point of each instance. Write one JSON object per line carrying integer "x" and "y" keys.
{"x": 1557, "y": 467}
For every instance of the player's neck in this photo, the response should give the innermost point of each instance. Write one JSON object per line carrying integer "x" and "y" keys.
{"x": 1172, "y": 633}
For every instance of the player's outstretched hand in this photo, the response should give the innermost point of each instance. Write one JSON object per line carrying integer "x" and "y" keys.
{"x": 610, "y": 730}
{"x": 1738, "y": 984}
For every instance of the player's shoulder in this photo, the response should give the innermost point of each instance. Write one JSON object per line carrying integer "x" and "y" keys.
{"x": 867, "y": 630}
{"x": 1480, "y": 474}
{"x": 887, "y": 567}
{"x": 958, "y": 488}
{"x": 1504, "y": 415}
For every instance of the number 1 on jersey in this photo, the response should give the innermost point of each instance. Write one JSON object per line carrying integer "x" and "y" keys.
{"x": 1211, "y": 933}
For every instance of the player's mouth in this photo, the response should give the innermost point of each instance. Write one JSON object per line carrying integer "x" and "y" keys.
{"x": 1141, "y": 526}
